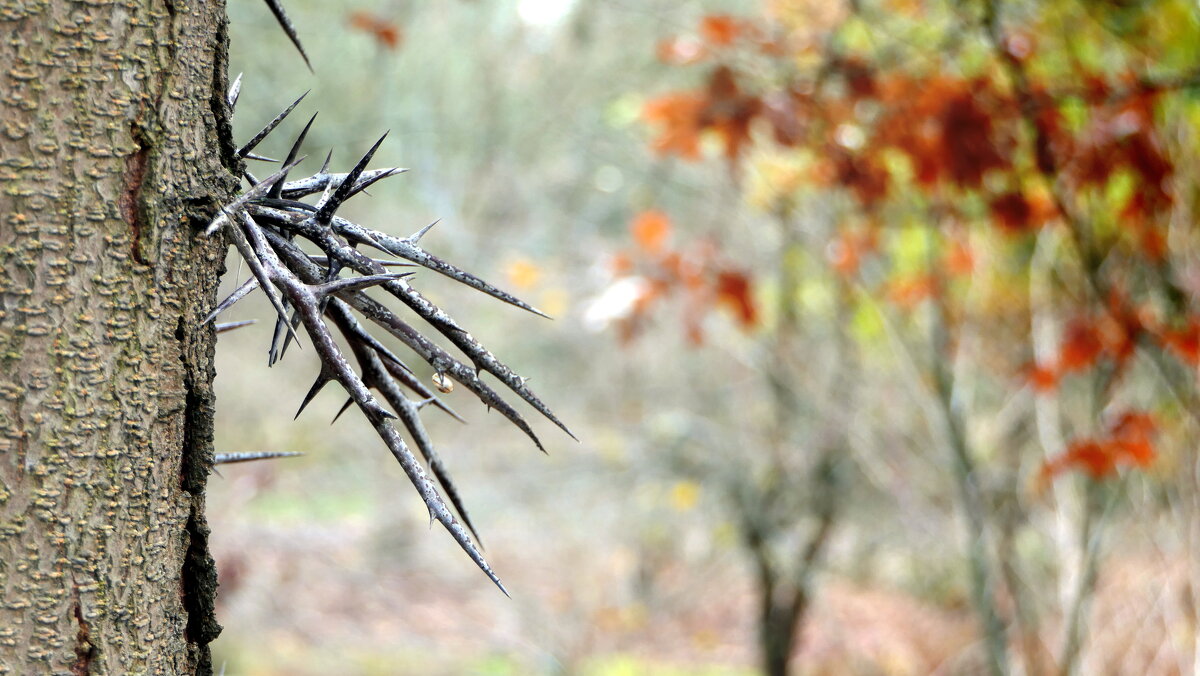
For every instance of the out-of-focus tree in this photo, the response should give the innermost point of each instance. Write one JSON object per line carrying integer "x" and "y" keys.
{"x": 773, "y": 456}
{"x": 1001, "y": 193}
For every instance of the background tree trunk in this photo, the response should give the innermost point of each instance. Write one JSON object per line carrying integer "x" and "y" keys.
{"x": 114, "y": 140}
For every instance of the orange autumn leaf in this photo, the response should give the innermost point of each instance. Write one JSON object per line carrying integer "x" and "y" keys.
{"x": 1132, "y": 436}
{"x": 678, "y": 118}
{"x": 1081, "y": 346}
{"x": 959, "y": 259}
{"x": 734, "y": 290}
{"x": 863, "y": 174}
{"x": 1091, "y": 456}
{"x": 1152, "y": 243}
{"x": 620, "y": 264}
{"x": 650, "y": 230}
{"x": 843, "y": 254}
{"x": 908, "y": 293}
{"x": 1129, "y": 442}
{"x": 386, "y": 33}
{"x": 729, "y": 111}
{"x": 1185, "y": 343}
{"x": 1041, "y": 378}
{"x": 719, "y": 29}
{"x": 968, "y": 148}
{"x": 1013, "y": 213}
{"x": 1119, "y": 333}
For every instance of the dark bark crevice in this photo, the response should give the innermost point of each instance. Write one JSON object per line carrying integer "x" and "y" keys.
{"x": 131, "y": 194}
{"x": 85, "y": 651}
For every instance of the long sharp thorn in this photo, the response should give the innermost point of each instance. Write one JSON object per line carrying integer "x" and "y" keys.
{"x": 241, "y": 292}
{"x": 227, "y": 458}
{"x": 325, "y": 164}
{"x": 325, "y": 213}
{"x": 277, "y": 189}
{"x": 282, "y": 324}
{"x": 260, "y": 158}
{"x": 342, "y": 410}
{"x": 235, "y": 90}
{"x": 287, "y": 340}
{"x": 286, "y": 24}
{"x": 230, "y": 326}
{"x": 262, "y": 134}
{"x": 433, "y": 500}
{"x": 322, "y": 380}
{"x": 412, "y": 421}
{"x": 421, "y": 233}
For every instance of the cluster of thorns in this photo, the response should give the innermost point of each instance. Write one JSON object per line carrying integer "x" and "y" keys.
{"x": 267, "y": 223}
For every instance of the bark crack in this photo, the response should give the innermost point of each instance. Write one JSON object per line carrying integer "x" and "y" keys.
{"x": 128, "y": 201}
{"x": 85, "y": 651}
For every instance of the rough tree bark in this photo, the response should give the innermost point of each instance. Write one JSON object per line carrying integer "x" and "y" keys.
{"x": 114, "y": 140}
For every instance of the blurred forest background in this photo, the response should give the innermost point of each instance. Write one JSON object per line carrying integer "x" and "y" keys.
{"x": 877, "y": 321}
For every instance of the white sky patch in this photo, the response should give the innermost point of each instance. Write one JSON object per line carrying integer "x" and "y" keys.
{"x": 544, "y": 14}
{"x": 615, "y": 303}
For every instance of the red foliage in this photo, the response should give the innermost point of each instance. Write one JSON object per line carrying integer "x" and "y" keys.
{"x": 863, "y": 174}
{"x": 386, "y": 33}
{"x": 721, "y": 107}
{"x": 859, "y": 77}
{"x": 968, "y": 150}
{"x": 909, "y": 292}
{"x": 650, "y": 230}
{"x": 946, "y": 126}
{"x": 1012, "y": 212}
{"x": 678, "y": 117}
{"x": 734, "y": 290}
{"x": 1120, "y": 329}
{"x": 1081, "y": 346}
{"x": 1132, "y": 435}
{"x": 1122, "y": 136}
{"x": 1041, "y": 378}
{"x": 1129, "y": 442}
{"x": 959, "y": 260}
{"x": 729, "y": 111}
{"x": 698, "y": 272}
{"x": 720, "y": 29}
{"x": 1185, "y": 342}
{"x": 967, "y": 140}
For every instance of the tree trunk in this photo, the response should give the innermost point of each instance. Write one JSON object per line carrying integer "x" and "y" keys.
{"x": 114, "y": 141}
{"x": 777, "y": 628}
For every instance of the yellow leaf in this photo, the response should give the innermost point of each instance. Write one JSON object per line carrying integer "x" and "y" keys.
{"x": 523, "y": 274}
{"x": 554, "y": 301}
{"x": 685, "y": 495}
